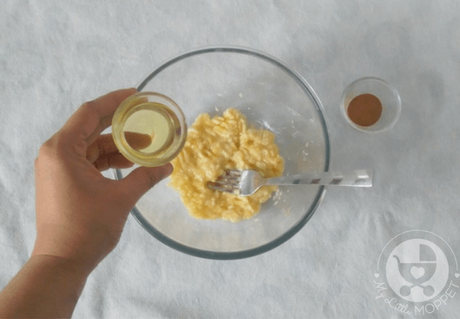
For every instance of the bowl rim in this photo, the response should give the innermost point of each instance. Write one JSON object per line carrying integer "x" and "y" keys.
{"x": 231, "y": 255}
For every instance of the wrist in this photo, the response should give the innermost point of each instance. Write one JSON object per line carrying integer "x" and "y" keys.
{"x": 82, "y": 248}
{"x": 74, "y": 270}
{"x": 71, "y": 253}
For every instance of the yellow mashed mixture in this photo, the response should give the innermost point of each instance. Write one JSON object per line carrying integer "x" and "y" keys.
{"x": 217, "y": 144}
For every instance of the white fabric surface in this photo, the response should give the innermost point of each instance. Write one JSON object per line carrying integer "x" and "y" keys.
{"x": 54, "y": 55}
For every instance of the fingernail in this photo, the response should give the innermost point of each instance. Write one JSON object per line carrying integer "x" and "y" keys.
{"x": 168, "y": 169}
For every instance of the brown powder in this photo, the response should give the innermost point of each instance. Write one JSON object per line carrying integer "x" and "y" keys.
{"x": 365, "y": 109}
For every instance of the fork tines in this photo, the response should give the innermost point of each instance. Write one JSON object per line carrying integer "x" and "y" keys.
{"x": 228, "y": 182}
{"x": 231, "y": 173}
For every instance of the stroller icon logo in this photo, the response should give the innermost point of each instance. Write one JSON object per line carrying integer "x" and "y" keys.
{"x": 417, "y": 272}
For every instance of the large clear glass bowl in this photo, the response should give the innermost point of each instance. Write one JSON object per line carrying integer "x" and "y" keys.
{"x": 272, "y": 96}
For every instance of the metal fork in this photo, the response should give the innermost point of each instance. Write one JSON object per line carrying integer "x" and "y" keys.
{"x": 247, "y": 182}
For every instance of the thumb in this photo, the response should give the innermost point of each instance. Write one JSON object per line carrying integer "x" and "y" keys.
{"x": 139, "y": 181}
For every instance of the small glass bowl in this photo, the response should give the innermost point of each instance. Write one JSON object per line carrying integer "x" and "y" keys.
{"x": 388, "y": 96}
{"x": 172, "y": 114}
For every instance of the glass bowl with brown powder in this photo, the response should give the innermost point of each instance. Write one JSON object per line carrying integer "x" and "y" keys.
{"x": 371, "y": 105}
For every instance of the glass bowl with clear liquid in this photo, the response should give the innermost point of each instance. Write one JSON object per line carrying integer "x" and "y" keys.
{"x": 149, "y": 129}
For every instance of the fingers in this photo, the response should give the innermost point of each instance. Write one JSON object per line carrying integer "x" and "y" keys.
{"x": 93, "y": 117}
{"x": 104, "y": 145}
{"x": 139, "y": 181}
{"x": 104, "y": 154}
{"x": 138, "y": 141}
{"x": 116, "y": 160}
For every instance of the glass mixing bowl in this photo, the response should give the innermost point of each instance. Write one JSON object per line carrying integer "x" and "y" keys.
{"x": 271, "y": 96}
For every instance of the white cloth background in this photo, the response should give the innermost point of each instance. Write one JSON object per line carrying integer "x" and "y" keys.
{"x": 54, "y": 55}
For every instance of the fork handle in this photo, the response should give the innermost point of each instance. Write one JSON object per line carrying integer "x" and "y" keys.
{"x": 356, "y": 178}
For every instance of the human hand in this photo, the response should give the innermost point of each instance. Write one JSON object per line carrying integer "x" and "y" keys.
{"x": 80, "y": 213}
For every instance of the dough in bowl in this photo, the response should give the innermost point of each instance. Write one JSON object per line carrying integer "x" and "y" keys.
{"x": 215, "y": 145}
